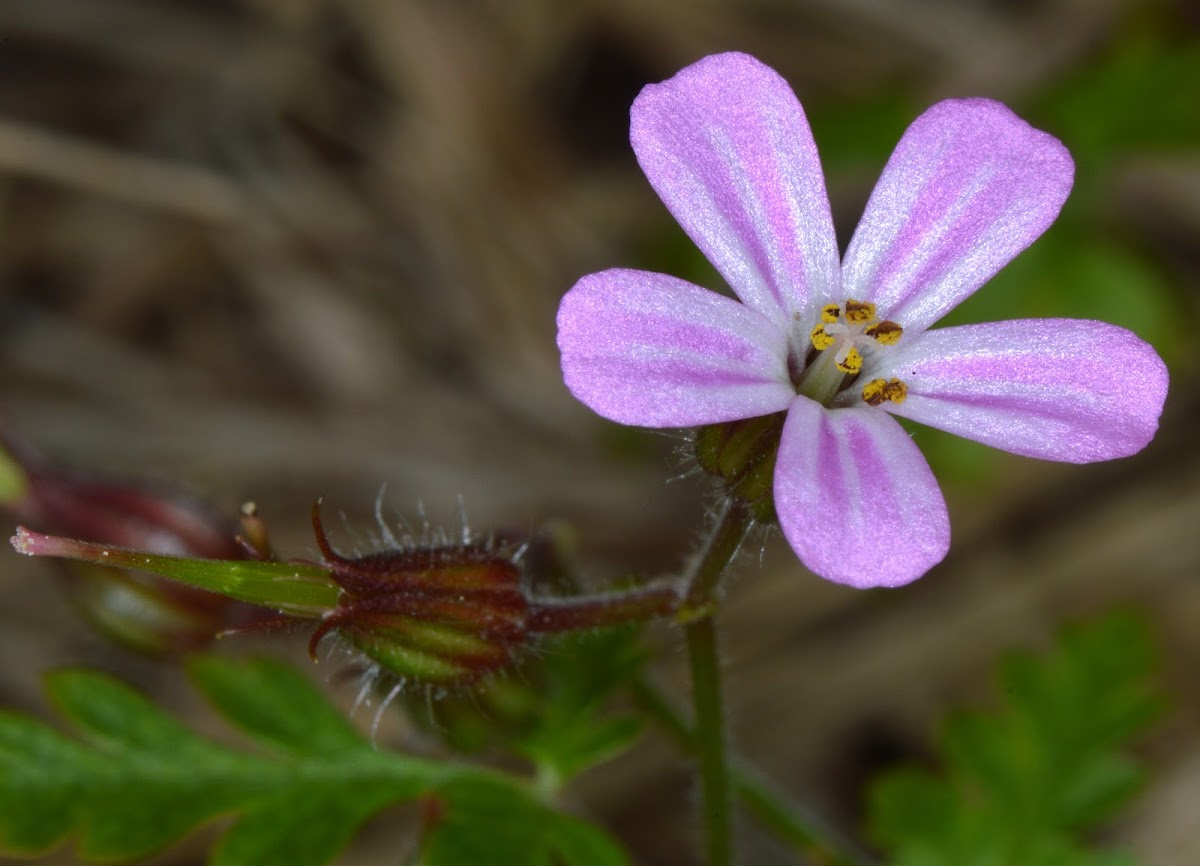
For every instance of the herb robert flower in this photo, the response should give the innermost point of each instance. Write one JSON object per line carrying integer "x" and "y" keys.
{"x": 841, "y": 347}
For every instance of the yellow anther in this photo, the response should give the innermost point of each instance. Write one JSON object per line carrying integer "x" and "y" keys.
{"x": 859, "y": 312}
{"x": 830, "y": 313}
{"x": 885, "y": 332}
{"x": 879, "y": 391}
{"x": 852, "y": 363}
{"x": 821, "y": 340}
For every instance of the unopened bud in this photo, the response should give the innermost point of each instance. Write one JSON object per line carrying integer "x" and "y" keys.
{"x": 141, "y": 611}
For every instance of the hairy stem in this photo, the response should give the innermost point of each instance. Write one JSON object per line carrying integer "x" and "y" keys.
{"x": 711, "y": 749}
{"x": 572, "y": 613}
{"x": 803, "y": 831}
{"x": 704, "y": 578}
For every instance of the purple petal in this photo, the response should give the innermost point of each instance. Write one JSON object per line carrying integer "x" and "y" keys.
{"x": 1058, "y": 389}
{"x": 968, "y": 187}
{"x": 652, "y": 350}
{"x": 726, "y": 145}
{"x": 856, "y": 499}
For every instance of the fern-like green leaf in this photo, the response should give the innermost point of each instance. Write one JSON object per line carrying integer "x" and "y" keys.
{"x": 136, "y": 780}
{"x": 1024, "y": 784}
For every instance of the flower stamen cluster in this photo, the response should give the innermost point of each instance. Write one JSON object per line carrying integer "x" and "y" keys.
{"x": 840, "y": 340}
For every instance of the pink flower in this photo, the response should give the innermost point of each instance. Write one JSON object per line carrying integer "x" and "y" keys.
{"x": 844, "y": 346}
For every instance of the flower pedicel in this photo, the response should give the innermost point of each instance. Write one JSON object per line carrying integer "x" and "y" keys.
{"x": 840, "y": 347}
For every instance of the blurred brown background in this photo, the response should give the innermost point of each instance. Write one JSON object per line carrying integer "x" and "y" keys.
{"x": 272, "y": 249}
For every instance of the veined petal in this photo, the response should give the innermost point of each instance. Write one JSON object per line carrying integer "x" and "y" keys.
{"x": 1058, "y": 389}
{"x": 968, "y": 187}
{"x": 727, "y": 147}
{"x": 652, "y": 350}
{"x": 855, "y": 497}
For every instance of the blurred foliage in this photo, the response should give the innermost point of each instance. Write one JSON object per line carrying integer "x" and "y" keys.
{"x": 138, "y": 780}
{"x": 1024, "y": 785}
{"x": 554, "y": 712}
{"x": 572, "y": 732}
{"x": 1139, "y": 96}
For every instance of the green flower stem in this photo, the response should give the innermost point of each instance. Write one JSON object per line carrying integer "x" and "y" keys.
{"x": 704, "y": 578}
{"x": 806, "y": 833}
{"x": 698, "y": 612}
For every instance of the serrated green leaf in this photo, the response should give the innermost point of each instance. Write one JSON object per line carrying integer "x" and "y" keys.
{"x": 577, "y": 843}
{"x": 1024, "y": 783}
{"x": 38, "y": 795}
{"x": 138, "y": 780}
{"x": 272, "y": 702}
{"x": 483, "y": 823}
{"x": 114, "y": 715}
{"x": 300, "y": 831}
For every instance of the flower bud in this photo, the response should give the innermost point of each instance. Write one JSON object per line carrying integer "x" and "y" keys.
{"x": 742, "y": 454}
{"x": 139, "y": 610}
{"x": 445, "y": 615}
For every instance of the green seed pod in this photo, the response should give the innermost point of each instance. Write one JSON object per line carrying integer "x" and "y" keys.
{"x": 442, "y": 615}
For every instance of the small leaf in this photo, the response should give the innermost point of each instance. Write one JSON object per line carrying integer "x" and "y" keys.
{"x": 299, "y": 831}
{"x": 39, "y": 797}
{"x": 578, "y": 843}
{"x": 272, "y": 702}
{"x": 574, "y": 729}
{"x": 483, "y": 823}
{"x": 111, "y": 713}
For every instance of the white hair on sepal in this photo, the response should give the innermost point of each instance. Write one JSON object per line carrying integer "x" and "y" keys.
{"x": 368, "y": 680}
{"x": 686, "y": 465}
{"x": 464, "y": 526}
{"x": 518, "y": 552}
{"x": 425, "y": 534}
{"x": 385, "y": 530}
{"x": 355, "y": 535}
{"x": 763, "y": 531}
{"x": 392, "y": 694}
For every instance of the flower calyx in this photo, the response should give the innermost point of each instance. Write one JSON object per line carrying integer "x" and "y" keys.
{"x": 742, "y": 454}
{"x": 447, "y": 614}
